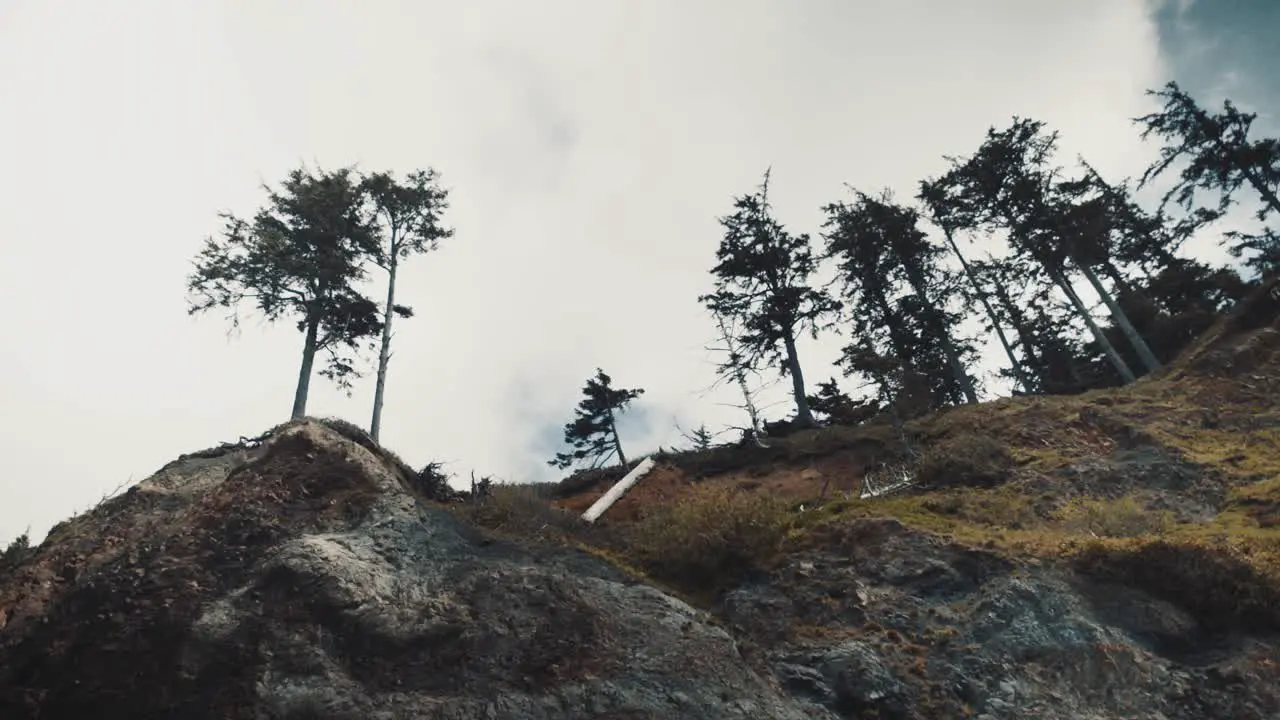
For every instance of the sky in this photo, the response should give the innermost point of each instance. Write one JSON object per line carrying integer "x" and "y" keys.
{"x": 589, "y": 147}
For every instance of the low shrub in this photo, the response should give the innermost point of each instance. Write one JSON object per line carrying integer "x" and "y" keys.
{"x": 711, "y": 538}
{"x": 521, "y": 510}
{"x": 1121, "y": 518}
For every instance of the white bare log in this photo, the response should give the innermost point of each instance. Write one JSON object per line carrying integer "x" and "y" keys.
{"x": 619, "y": 488}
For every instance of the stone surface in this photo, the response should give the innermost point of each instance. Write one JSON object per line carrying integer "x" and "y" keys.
{"x": 301, "y": 580}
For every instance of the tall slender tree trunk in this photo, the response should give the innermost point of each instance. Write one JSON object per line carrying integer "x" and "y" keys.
{"x": 1026, "y": 336}
{"x": 1116, "y": 360}
{"x": 962, "y": 378}
{"x": 804, "y": 416}
{"x": 740, "y": 377}
{"x": 384, "y": 354}
{"x": 1121, "y": 319}
{"x": 991, "y": 313}
{"x": 308, "y": 363}
{"x": 617, "y": 440}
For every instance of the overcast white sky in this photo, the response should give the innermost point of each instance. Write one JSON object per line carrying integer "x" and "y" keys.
{"x": 590, "y": 146}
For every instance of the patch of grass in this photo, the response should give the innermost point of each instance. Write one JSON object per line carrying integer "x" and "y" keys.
{"x": 714, "y": 536}
{"x": 1125, "y": 517}
{"x": 1245, "y": 455}
{"x": 1225, "y": 584}
{"x": 965, "y": 460}
{"x": 1258, "y": 503}
{"x": 522, "y": 511}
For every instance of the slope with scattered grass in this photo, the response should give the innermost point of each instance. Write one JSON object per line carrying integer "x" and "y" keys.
{"x": 1165, "y": 492}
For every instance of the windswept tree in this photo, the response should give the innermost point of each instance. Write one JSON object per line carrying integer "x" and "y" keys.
{"x": 407, "y": 219}
{"x": 1011, "y": 183}
{"x": 1219, "y": 156}
{"x": 593, "y": 433}
{"x": 875, "y": 239}
{"x": 300, "y": 258}
{"x": 762, "y": 275}
{"x": 943, "y": 216}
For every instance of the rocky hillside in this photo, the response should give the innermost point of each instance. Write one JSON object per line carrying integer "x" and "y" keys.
{"x": 1110, "y": 555}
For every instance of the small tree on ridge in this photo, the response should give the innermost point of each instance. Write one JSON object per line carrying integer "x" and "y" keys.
{"x": 593, "y": 433}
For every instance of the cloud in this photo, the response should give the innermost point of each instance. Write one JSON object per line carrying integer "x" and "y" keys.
{"x": 589, "y": 146}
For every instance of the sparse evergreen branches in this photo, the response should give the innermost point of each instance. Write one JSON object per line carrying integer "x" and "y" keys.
{"x": 877, "y": 242}
{"x": 593, "y": 433}
{"x": 762, "y": 273}
{"x": 300, "y": 257}
{"x": 1219, "y": 157}
{"x": 407, "y": 219}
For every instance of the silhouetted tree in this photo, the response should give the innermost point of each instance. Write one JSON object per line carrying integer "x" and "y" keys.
{"x": 407, "y": 219}
{"x": 1010, "y": 183}
{"x": 873, "y": 237}
{"x": 839, "y": 408}
{"x": 593, "y": 433}
{"x": 736, "y": 368}
{"x": 299, "y": 257}
{"x": 700, "y": 438}
{"x": 943, "y": 215}
{"x": 762, "y": 281}
{"x": 1220, "y": 157}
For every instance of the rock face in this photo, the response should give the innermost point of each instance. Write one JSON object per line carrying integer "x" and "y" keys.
{"x": 300, "y": 579}
{"x": 303, "y": 578}
{"x": 936, "y": 630}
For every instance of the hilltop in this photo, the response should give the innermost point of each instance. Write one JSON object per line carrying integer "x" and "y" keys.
{"x": 1109, "y": 554}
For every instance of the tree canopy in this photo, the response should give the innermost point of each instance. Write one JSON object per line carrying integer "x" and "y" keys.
{"x": 300, "y": 257}
{"x": 593, "y": 433}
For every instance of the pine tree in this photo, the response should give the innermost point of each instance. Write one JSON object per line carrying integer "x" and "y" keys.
{"x": 407, "y": 219}
{"x": 593, "y": 433}
{"x": 762, "y": 278}
{"x": 876, "y": 239}
{"x": 1219, "y": 157}
{"x": 300, "y": 257}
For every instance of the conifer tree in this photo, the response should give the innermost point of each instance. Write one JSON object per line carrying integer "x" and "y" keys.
{"x": 875, "y": 240}
{"x": 1220, "y": 156}
{"x": 300, "y": 257}
{"x": 762, "y": 280}
{"x": 593, "y": 433}
{"x": 407, "y": 218}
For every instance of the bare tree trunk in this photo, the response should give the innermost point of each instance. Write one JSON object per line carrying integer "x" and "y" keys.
{"x": 740, "y": 376}
{"x": 308, "y": 363}
{"x": 1019, "y": 322}
{"x": 384, "y": 354}
{"x": 1121, "y": 319}
{"x": 991, "y": 313}
{"x": 617, "y": 441}
{"x": 804, "y": 416}
{"x": 1116, "y": 360}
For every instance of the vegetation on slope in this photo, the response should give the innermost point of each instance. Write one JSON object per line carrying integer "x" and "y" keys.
{"x": 1171, "y": 484}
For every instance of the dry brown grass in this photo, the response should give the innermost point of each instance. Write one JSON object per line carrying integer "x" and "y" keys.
{"x": 965, "y": 460}
{"x": 1125, "y": 517}
{"x": 714, "y": 536}
{"x": 523, "y": 511}
{"x": 1226, "y": 584}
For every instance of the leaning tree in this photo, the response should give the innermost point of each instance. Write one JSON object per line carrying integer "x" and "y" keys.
{"x": 762, "y": 282}
{"x": 593, "y": 433}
